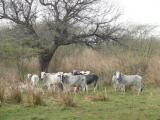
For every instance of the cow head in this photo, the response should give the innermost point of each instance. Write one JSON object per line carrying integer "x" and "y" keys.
{"x": 29, "y": 75}
{"x": 118, "y": 76}
{"x": 42, "y": 75}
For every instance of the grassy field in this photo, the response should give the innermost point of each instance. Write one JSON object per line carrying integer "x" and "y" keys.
{"x": 118, "y": 106}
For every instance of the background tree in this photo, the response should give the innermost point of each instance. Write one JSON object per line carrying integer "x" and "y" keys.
{"x": 68, "y": 22}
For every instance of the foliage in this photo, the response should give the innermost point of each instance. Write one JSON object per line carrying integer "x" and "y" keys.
{"x": 66, "y": 100}
{"x": 14, "y": 54}
{"x": 12, "y": 50}
{"x": 15, "y": 94}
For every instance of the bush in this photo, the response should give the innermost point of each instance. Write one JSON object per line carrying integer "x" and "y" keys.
{"x": 34, "y": 96}
{"x": 15, "y": 94}
{"x": 153, "y": 76}
{"x": 37, "y": 96}
{"x": 67, "y": 100}
{"x": 15, "y": 55}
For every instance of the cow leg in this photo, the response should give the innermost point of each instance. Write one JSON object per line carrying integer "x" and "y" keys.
{"x": 139, "y": 91}
{"x": 87, "y": 89}
{"x": 123, "y": 88}
{"x": 115, "y": 87}
{"x": 95, "y": 88}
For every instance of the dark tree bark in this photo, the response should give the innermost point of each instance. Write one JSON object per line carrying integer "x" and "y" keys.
{"x": 45, "y": 58}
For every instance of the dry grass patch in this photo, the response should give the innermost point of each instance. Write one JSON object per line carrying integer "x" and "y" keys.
{"x": 100, "y": 96}
{"x": 2, "y": 92}
{"x": 66, "y": 100}
{"x": 15, "y": 94}
{"x": 153, "y": 76}
{"x": 35, "y": 96}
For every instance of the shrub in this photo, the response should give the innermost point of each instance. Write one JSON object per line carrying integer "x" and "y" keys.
{"x": 37, "y": 96}
{"x": 15, "y": 54}
{"x": 15, "y": 94}
{"x": 67, "y": 100}
{"x": 153, "y": 76}
{"x": 34, "y": 96}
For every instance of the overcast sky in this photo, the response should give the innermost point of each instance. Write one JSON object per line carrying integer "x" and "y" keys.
{"x": 140, "y": 11}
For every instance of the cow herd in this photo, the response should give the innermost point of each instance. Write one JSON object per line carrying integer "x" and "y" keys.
{"x": 72, "y": 81}
{"x": 76, "y": 81}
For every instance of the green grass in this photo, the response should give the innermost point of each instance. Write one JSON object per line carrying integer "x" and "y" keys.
{"x": 120, "y": 106}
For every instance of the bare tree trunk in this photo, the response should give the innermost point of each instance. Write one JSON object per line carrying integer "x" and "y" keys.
{"x": 46, "y": 57}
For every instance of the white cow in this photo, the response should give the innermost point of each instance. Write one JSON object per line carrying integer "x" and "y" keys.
{"x": 34, "y": 79}
{"x": 75, "y": 80}
{"x": 116, "y": 84}
{"x": 52, "y": 80}
{"x": 130, "y": 80}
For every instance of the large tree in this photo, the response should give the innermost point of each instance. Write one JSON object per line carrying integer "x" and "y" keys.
{"x": 68, "y": 21}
